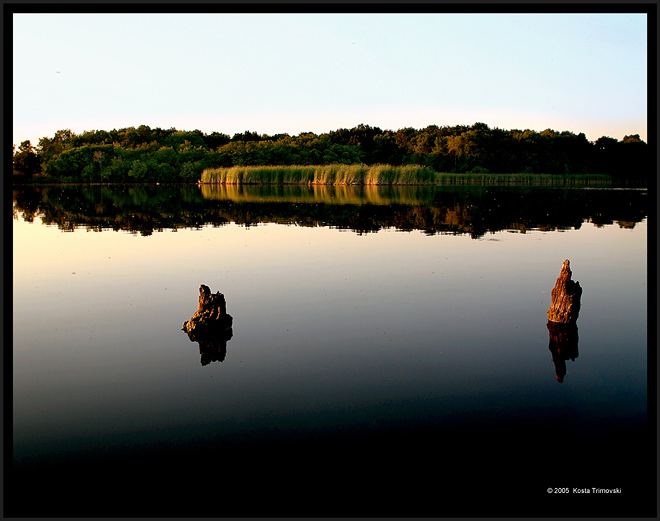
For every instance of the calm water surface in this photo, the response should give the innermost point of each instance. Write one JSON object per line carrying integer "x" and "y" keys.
{"x": 389, "y": 354}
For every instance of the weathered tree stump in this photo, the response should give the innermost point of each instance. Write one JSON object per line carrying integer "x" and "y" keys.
{"x": 211, "y": 314}
{"x": 565, "y": 304}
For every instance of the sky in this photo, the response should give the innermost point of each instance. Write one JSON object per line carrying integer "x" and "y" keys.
{"x": 293, "y": 73}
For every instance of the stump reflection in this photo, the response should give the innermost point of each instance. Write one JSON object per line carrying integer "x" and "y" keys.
{"x": 212, "y": 344}
{"x": 563, "y": 346}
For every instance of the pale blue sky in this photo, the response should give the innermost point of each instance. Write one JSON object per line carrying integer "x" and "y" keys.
{"x": 277, "y": 73}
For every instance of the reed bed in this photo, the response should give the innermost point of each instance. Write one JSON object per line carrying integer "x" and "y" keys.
{"x": 357, "y": 174}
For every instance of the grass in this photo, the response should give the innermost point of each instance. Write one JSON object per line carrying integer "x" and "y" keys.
{"x": 337, "y": 174}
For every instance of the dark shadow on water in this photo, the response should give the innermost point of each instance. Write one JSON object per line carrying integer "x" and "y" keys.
{"x": 563, "y": 346}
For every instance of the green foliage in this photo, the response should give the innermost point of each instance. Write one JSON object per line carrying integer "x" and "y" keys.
{"x": 191, "y": 171}
{"x": 138, "y": 171}
{"x": 144, "y": 154}
{"x": 25, "y": 161}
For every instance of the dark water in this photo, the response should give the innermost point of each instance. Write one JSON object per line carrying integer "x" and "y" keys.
{"x": 390, "y": 354}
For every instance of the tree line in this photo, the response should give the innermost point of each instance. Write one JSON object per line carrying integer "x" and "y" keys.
{"x": 145, "y": 154}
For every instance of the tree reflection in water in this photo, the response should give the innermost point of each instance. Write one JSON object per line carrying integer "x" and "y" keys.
{"x": 472, "y": 210}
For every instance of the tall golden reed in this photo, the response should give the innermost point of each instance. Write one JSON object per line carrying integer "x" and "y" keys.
{"x": 359, "y": 174}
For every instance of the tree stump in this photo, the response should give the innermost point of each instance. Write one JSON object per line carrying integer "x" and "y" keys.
{"x": 565, "y": 304}
{"x": 211, "y": 313}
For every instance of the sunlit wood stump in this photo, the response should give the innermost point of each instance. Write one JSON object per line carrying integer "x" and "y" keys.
{"x": 565, "y": 304}
{"x": 211, "y": 314}
{"x": 563, "y": 346}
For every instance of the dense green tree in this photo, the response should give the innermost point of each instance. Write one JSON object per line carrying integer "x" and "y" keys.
{"x": 246, "y": 136}
{"x": 26, "y": 161}
{"x": 215, "y": 140}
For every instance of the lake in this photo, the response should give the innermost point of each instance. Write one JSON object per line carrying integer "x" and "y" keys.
{"x": 389, "y": 355}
